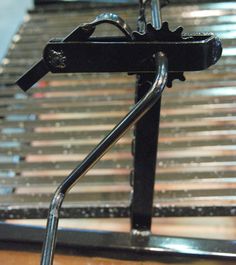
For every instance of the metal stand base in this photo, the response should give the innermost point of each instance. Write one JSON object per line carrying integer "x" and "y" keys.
{"x": 118, "y": 245}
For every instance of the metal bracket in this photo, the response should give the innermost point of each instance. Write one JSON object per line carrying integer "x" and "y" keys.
{"x": 133, "y": 53}
{"x": 111, "y": 55}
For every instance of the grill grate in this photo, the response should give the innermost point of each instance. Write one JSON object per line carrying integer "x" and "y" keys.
{"x": 45, "y": 133}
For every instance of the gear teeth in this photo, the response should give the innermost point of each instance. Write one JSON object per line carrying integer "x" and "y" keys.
{"x": 163, "y": 34}
{"x": 182, "y": 77}
{"x": 135, "y": 35}
{"x": 174, "y": 76}
{"x": 179, "y": 31}
{"x": 165, "y": 26}
{"x": 149, "y": 27}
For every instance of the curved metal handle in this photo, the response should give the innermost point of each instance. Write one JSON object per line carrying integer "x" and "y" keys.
{"x": 131, "y": 118}
{"x": 84, "y": 31}
{"x": 115, "y": 20}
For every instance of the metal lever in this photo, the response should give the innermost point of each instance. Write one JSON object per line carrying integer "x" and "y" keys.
{"x": 79, "y": 52}
{"x": 131, "y": 118}
{"x": 82, "y": 32}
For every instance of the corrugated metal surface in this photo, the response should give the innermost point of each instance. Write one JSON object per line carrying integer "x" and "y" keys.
{"x": 44, "y": 134}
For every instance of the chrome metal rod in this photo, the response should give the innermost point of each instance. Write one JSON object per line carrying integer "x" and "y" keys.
{"x": 109, "y": 18}
{"x": 156, "y": 14}
{"x": 142, "y": 17}
{"x": 132, "y": 117}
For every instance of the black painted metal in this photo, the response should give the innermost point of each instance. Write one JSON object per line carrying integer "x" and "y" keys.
{"x": 194, "y": 55}
{"x": 118, "y": 245}
{"x": 57, "y": 59}
{"x": 145, "y": 153}
{"x": 197, "y": 52}
{"x": 145, "y": 143}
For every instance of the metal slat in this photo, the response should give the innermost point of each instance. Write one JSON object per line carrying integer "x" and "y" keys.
{"x": 45, "y": 133}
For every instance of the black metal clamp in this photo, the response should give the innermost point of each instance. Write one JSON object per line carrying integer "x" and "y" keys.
{"x": 148, "y": 50}
{"x": 132, "y": 53}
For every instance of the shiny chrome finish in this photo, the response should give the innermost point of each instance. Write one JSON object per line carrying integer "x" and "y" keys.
{"x": 53, "y": 217}
{"x": 156, "y": 14}
{"x": 133, "y": 116}
{"x": 115, "y": 20}
{"x": 86, "y": 30}
{"x": 141, "y": 23}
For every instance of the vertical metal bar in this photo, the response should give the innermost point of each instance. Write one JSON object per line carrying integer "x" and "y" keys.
{"x": 145, "y": 150}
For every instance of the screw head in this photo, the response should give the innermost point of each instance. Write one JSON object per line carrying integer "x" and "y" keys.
{"x": 57, "y": 59}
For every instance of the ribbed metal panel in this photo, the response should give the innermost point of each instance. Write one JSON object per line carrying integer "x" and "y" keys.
{"x": 47, "y": 132}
